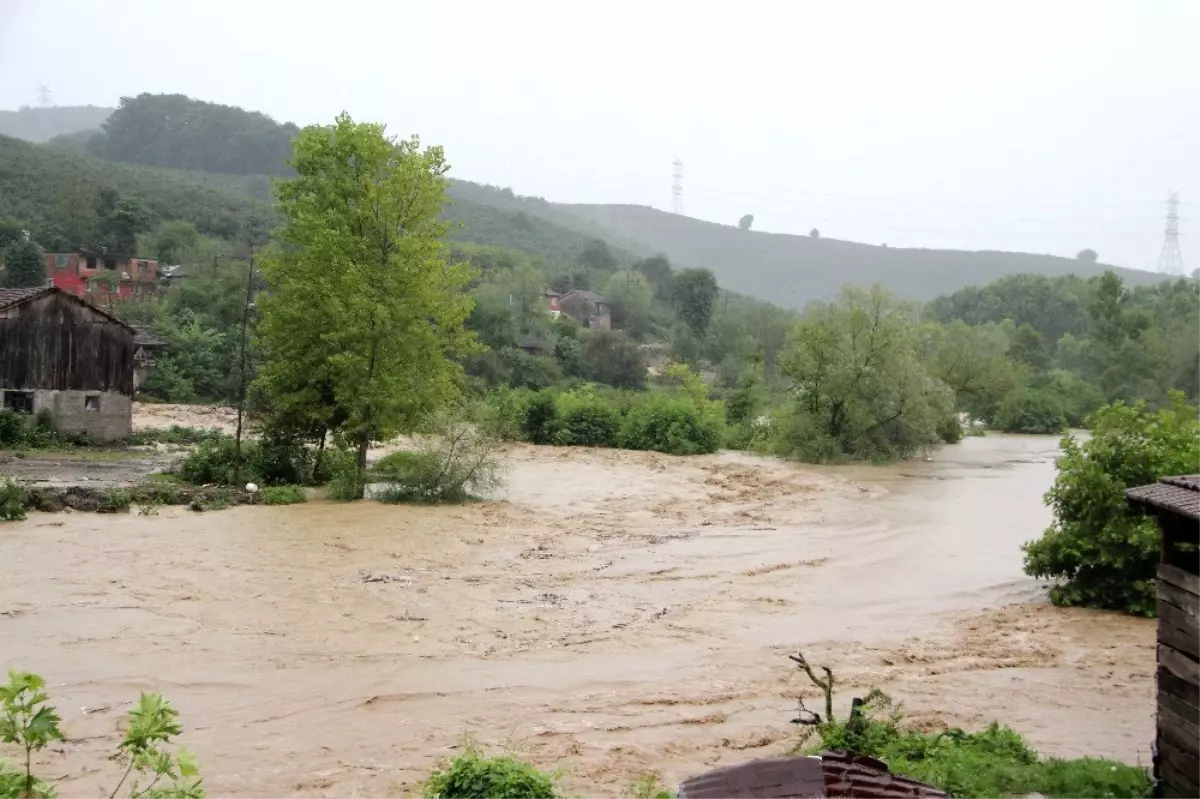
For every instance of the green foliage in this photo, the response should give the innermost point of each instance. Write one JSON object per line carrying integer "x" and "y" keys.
{"x": 1103, "y": 553}
{"x": 694, "y": 292}
{"x": 611, "y": 358}
{"x": 23, "y": 264}
{"x": 675, "y": 425}
{"x": 30, "y": 723}
{"x": 12, "y": 428}
{"x": 586, "y": 420}
{"x": 391, "y": 308}
{"x": 209, "y": 463}
{"x": 115, "y": 500}
{"x": 152, "y": 770}
{"x": 542, "y": 425}
{"x": 994, "y": 762}
{"x": 974, "y": 361}
{"x": 1030, "y": 411}
{"x": 648, "y": 786}
{"x": 172, "y": 130}
{"x": 859, "y": 386}
{"x": 456, "y": 461}
{"x": 470, "y": 775}
{"x": 283, "y": 495}
{"x": 632, "y": 300}
{"x": 274, "y": 459}
{"x": 346, "y": 480}
{"x": 12, "y": 501}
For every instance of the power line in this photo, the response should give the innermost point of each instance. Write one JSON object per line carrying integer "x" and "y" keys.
{"x": 677, "y": 186}
{"x": 1170, "y": 260}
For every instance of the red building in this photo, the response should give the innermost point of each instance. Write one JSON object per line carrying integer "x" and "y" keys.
{"x": 92, "y": 273}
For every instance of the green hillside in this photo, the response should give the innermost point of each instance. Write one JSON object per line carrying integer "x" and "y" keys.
{"x": 43, "y": 124}
{"x": 795, "y": 270}
{"x": 54, "y": 192}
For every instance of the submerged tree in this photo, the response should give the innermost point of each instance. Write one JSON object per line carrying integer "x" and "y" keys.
{"x": 859, "y": 383}
{"x": 363, "y": 311}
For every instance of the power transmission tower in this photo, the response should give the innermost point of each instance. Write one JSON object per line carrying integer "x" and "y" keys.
{"x": 44, "y": 95}
{"x": 1170, "y": 260}
{"x": 677, "y": 187}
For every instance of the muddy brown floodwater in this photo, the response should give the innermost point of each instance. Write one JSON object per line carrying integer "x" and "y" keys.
{"x": 613, "y": 613}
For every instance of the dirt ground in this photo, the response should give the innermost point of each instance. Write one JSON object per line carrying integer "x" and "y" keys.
{"x": 613, "y": 613}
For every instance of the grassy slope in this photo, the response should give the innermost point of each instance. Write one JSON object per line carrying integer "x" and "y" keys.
{"x": 794, "y": 270}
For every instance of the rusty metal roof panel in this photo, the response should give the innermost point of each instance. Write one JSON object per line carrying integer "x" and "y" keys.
{"x": 833, "y": 774}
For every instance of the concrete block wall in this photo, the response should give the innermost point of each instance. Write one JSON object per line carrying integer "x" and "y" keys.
{"x": 113, "y": 419}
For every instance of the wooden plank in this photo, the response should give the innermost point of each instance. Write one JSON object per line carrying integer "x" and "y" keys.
{"x": 1189, "y": 715}
{"x": 1177, "y": 784}
{"x": 1177, "y": 577}
{"x": 1179, "y": 640}
{"x": 1184, "y": 601}
{"x": 1183, "y": 692}
{"x": 1178, "y": 733}
{"x": 1178, "y": 770}
{"x": 1179, "y": 664}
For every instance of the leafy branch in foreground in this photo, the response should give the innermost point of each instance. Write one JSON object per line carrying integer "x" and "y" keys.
{"x": 153, "y": 772}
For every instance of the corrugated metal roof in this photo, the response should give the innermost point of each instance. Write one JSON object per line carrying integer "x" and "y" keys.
{"x": 1180, "y": 494}
{"x": 13, "y": 296}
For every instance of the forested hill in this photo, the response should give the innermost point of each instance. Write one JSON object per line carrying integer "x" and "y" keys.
{"x": 43, "y": 124}
{"x": 53, "y": 190}
{"x": 794, "y": 270}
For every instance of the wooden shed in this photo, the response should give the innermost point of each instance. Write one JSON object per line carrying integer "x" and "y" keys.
{"x": 60, "y": 354}
{"x": 1175, "y": 501}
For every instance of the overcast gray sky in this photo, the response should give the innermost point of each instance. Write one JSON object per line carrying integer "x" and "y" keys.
{"x": 1040, "y": 126}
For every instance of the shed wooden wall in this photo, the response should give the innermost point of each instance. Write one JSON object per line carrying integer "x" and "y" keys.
{"x": 1178, "y": 659}
{"x": 58, "y": 343}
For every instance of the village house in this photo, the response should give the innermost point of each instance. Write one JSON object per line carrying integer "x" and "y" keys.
{"x": 553, "y": 302}
{"x": 101, "y": 275}
{"x": 588, "y": 308}
{"x": 1175, "y": 501}
{"x": 60, "y": 354}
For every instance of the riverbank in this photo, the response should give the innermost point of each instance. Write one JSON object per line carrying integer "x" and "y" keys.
{"x": 613, "y": 612}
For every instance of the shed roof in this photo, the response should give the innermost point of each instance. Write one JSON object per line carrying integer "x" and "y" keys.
{"x": 11, "y": 297}
{"x": 17, "y": 296}
{"x": 145, "y": 338}
{"x": 590, "y": 296}
{"x": 1179, "y": 495}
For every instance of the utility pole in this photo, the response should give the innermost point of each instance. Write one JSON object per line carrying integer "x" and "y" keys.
{"x": 45, "y": 96}
{"x": 237, "y": 441}
{"x": 677, "y": 186}
{"x": 1170, "y": 260}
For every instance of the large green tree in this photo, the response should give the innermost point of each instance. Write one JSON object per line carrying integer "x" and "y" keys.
{"x": 695, "y": 292}
{"x": 23, "y": 266}
{"x": 859, "y": 385}
{"x": 362, "y": 312}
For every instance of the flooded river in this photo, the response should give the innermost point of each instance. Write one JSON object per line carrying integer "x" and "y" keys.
{"x": 613, "y": 613}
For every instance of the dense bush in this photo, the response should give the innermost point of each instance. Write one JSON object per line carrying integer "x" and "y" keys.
{"x": 586, "y": 420}
{"x": 12, "y": 501}
{"x": 1102, "y": 552}
{"x": 541, "y": 425}
{"x": 175, "y": 434}
{"x": 473, "y": 776}
{"x": 12, "y": 428}
{"x": 1030, "y": 411}
{"x": 456, "y": 460}
{"x": 670, "y": 424}
{"x": 271, "y": 461}
{"x": 994, "y": 762}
